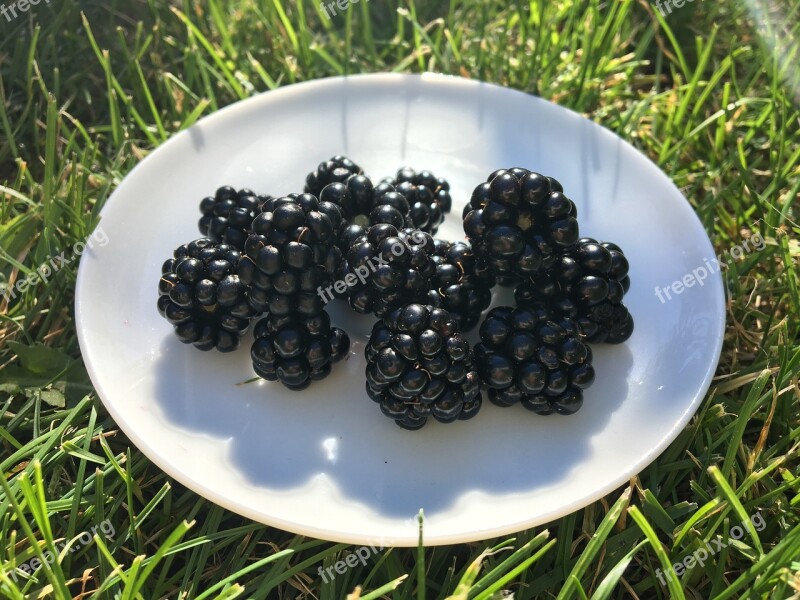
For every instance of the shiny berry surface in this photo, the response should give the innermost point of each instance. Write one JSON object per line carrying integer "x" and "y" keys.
{"x": 337, "y": 169}
{"x": 530, "y": 356}
{"x": 426, "y": 196}
{"x": 388, "y": 267}
{"x": 586, "y": 283}
{"x": 292, "y": 255}
{"x": 517, "y": 221}
{"x": 297, "y": 350}
{"x": 202, "y": 295}
{"x": 227, "y": 216}
{"x": 461, "y": 284}
{"x": 419, "y": 366}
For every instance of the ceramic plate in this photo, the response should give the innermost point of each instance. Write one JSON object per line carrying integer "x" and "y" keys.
{"x": 325, "y": 462}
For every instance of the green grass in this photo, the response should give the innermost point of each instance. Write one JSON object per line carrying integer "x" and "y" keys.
{"x": 710, "y": 93}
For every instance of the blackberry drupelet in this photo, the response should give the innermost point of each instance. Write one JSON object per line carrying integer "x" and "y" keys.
{"x": 228, "y": 214}
{"x": 462, "y": 285}
{"x": 202, "y": 296}
{"x": 291, "y": 254}
{"x": 336, "y": 169}
{"x": 586, "y": 284}
{"x": 428, "y": 197}
{"x": 517, "y": 221}
{"x": 527, "y": 355}
{"x": 297, "y": 350}
{"x": 387, "y": 268}
{"x": 419, "y": 365}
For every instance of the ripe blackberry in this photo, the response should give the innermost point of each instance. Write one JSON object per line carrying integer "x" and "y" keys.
{"x": 336, "y": 169}
{"x": 387, "y": 268}
{"x": 586, "y": 284}
{"x": 528, "y": 355}
{"x": 201, "y": 294}
{"x": 517, "y": 221}
{"x": 297, "y": 350}
{"x": 428, "y": 197}
{"x": 364, "y": 204}
{"x": 461, "y": 285}
{"x": 228, "y": 214}
{"x": 290, "y": 254}
{"x": 419, "y": 365}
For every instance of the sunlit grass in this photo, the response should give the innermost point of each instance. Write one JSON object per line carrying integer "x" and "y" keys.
{"x": 705, "y": 92}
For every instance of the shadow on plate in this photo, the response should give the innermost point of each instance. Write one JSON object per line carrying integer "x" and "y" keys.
{"x": 281, "y": 440}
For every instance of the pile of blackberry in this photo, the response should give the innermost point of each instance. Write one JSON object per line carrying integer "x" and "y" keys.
{"x": 297, "y": 350}
{"x": 290, "y": 255}
{"x": 568, "y": 292}
{"x": 284, "y": 258}
{"x": 281, "y": 251}
{"x": 529, "y": 356}
{"x": 203, "y": 297}
{"x": 419, "y": 366}
{"x": 526, "y": 230}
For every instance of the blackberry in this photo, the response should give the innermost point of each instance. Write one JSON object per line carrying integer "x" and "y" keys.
{"x": 201, "y": 294}
{"x": 336, "y": 169}
{"x": 428, "y": 197}
{"x": 527, "y": 355}
{"x": 387, "y": 268}
{"x": 586, "y": 284}
{"x": 297, "y": 350}
{"x": 419, "y": 365}
{"x": 364, "y": 204}
{"x": 462, "y": 285}
{"x": 228, "y": 214}
{"x": 517, "y": 221}
{"x": 291, "y": 254}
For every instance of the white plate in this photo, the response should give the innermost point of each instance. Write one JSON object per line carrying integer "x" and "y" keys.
{"x": 326, "y": 462}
